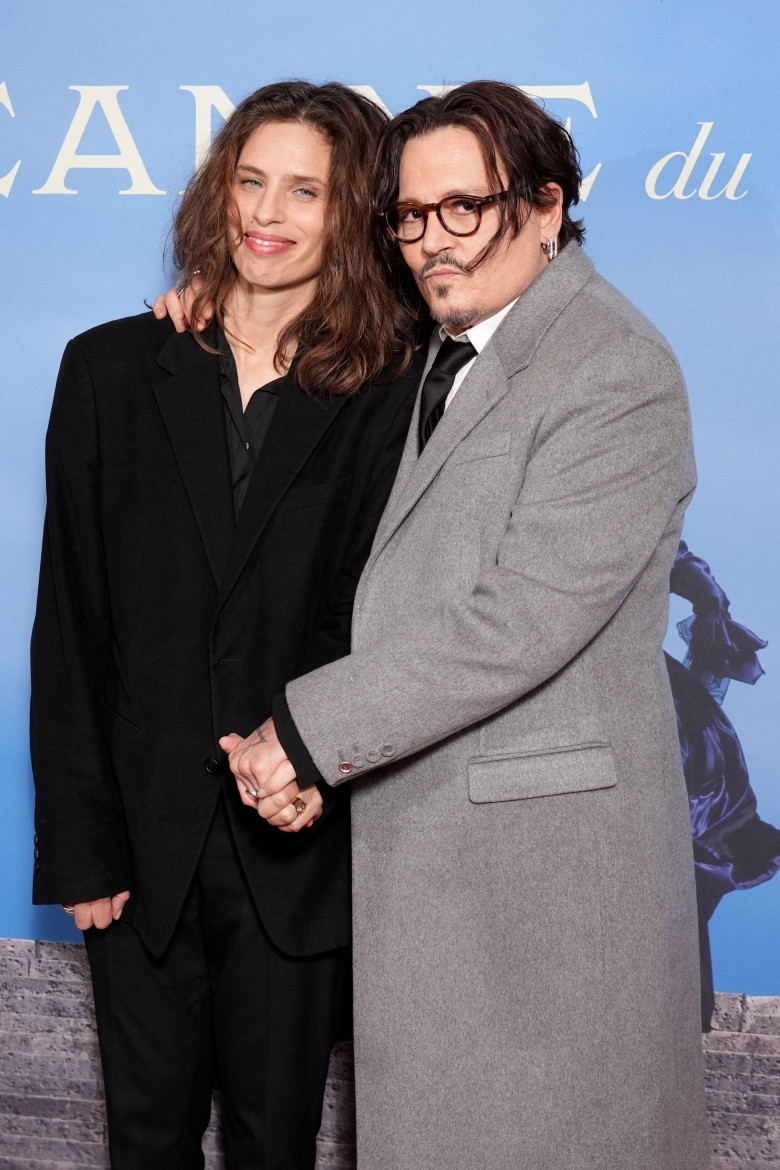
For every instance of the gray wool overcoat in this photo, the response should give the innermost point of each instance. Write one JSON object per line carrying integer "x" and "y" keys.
{"x": 526, "y": 966}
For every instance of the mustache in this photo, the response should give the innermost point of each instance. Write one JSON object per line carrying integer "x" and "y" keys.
{"x": 443, "y": 258}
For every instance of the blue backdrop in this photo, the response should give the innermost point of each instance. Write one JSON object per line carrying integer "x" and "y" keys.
{"x": 104, "y": 105}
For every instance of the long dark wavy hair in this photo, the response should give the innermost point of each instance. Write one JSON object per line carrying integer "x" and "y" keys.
{"x": 514, "y": 133}
{"x": 353, "y": 327}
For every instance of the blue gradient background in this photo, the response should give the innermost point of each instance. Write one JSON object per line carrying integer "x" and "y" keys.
{"x": 706, "y": 272}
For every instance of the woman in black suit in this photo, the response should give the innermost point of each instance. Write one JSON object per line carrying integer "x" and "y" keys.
{"x": 212, "y": 498}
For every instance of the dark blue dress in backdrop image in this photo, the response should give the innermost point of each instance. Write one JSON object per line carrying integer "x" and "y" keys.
{"x": 733, "y": 848}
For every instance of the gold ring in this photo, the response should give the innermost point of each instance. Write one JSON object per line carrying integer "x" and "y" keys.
{"x": 299, "y": 805}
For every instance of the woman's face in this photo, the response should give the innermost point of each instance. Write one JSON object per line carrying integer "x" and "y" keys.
{"x": 279, "y": 189}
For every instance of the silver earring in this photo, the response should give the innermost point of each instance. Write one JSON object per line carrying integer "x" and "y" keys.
{"x": 550, "y": 246}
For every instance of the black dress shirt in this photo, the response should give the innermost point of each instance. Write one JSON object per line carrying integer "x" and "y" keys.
{"x": 246, "y": 428}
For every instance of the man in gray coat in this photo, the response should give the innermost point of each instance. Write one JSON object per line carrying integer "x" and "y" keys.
{"x": 526, "y": 987}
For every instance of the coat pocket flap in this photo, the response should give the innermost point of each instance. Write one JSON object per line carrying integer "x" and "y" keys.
{"x": 579, "y": 768}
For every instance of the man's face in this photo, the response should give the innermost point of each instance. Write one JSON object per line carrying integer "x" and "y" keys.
{"x": 280, "y": 189}
{"x": 449, "y": 162}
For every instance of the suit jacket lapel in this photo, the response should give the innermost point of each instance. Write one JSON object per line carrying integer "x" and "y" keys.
{"x": 191, "y": 407}
{"x": 508, "y": 352}
{"x": 299, "y": 422}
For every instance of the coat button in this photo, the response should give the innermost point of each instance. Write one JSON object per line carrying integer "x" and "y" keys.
{"x": 373, "y": 756}
{"x": 388, "y": 749}
{"x": 35, "y": 839}
{"x": 36, "y": 853}
{"x": 211, "y": 765}
{"x": 345, "y": 767}
{"x": 37, "y": 867}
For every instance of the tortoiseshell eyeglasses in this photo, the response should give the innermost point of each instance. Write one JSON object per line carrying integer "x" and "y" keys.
{"x": 460, "y": 215}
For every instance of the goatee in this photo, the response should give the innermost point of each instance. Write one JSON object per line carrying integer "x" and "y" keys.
{"x": 457, "y": 320}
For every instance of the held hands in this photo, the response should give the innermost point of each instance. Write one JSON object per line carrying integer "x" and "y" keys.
{"x": 176, "y": 303}
{"x": 266, "y": 780}
{"x": 100, "y": 913}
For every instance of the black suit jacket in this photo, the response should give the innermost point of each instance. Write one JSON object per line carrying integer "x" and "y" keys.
{"x": 162, "y": 623}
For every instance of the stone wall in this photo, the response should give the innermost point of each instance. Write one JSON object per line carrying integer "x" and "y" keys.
{"x": 51, "y": 1109}
{"x": 743, "y": 1082}
{"x": 51, "y": 1097}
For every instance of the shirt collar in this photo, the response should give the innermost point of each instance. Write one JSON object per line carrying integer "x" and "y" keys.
{"x": 227, "y": 365}
{"x": 479, "y": 335}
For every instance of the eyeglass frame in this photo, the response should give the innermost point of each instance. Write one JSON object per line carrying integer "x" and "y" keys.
{"x": 427, "y": 208}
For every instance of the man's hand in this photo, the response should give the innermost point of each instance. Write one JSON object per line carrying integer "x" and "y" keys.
{"x": 177, "y": 304}
{"x": 100, "y": 913}
{"x": 266, "y": 779}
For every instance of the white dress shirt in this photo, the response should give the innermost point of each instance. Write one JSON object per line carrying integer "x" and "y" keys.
{"x": 479, "y": 335}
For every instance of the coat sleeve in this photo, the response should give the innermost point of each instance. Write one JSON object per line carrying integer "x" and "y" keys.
{"x": 83, "y": 852}
{"x": 611, "y": 465}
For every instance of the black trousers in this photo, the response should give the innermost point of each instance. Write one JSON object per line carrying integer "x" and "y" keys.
{"x": 223, "y": 1007}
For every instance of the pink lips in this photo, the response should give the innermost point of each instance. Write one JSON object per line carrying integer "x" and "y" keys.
{"x": 263, "y": 245}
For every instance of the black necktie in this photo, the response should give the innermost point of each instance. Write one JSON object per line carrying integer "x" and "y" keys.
{"x": 452, "y": 356}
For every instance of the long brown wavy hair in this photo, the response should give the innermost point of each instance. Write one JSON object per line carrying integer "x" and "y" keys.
{"x": 353, "y": 327}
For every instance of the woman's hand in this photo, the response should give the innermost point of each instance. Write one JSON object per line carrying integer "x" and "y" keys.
{"x": 100, "y": 913}
{"x": 281, "y": 809}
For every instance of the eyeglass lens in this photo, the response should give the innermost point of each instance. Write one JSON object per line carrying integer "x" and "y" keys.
{"x": 457, "y": 215}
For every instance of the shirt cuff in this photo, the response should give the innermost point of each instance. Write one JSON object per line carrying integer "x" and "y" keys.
{"x": 294, "y": 747}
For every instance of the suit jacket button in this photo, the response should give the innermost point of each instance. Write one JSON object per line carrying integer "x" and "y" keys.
{"x": 388, "y": 749}
{"x": 37, "y": 867}
{"x": 36, "y": 853}
{"x": 373, "y": 756}
{"x": 345, "y": 767}
{"x": 35, "y": 839}
{"x": 211, "y": 765}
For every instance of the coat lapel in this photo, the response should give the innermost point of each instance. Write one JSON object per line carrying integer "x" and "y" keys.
{"x": 484, "y": 386}
{"x": 508, "y": 352}
{"x": 191, "y": 407}
{"x": 299, "y": 422}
